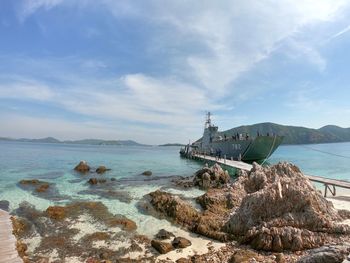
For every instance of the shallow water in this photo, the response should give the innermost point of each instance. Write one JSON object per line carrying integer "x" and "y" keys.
{"x": 54, "y": 163}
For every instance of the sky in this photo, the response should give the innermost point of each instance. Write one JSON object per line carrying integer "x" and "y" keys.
{"x": 149, "y": 70}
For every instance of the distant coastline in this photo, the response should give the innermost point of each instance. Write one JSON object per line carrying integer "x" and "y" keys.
{"x": 293, "y": 135}
{"x": 84, "y": 141}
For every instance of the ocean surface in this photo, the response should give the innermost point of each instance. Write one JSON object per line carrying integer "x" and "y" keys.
{"x": 54, "y": 163}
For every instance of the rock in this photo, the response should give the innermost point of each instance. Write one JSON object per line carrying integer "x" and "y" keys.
{"x": 29, "y": 181}
{"x": 102, "y": 169}
{"x": 113, "y": 179}
{"x": 147, "y": 173}
{"x": 82, "y": 167}
{"x": 181, "y": 242}
{"x": 163, "y": 234}
{"x": 56, "y": 212}
{"x": 21, "y": 248}
{"x": 42, "y": 188}
{"x": 181, "y": 212}
{"x": 19, "y": 226}
{"x": 326, "y": 254}
{"x": 183, "y": 260}
{"x": 161, "y": 247}
{"x": 280, "y": 258}
{"x": 282, "y": 210}
{"x": 94, "y": 181}
{"x": 4, "y": 205}
{"x": 125, "y": 223}
{"x": 245, "y": 256}
{"x": 211, "y": 177}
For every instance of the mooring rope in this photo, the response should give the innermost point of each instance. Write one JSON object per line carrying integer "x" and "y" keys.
{"x": 317, "y": 150}
{"x": 273, "y": 145}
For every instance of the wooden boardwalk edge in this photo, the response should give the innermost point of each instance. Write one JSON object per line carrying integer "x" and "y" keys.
{"x": 8, "y": 251}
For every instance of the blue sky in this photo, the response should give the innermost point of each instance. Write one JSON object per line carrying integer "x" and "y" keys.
{"x": 149, "y": 70}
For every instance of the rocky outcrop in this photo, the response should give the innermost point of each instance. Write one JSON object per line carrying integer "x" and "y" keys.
{"x": 282, "y": 210}
{"x": 82, "y": 167}
{"x": 102, "y": 169}
{"x": 56, "y": 212}
{"x": 211, "y": 177}
{"x": 181, "y": 242}
{"x": 181, "y": 212}
{"x": 161, "y": 247}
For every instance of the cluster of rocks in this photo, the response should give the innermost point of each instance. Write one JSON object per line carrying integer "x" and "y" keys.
{"x": 269, "y": 208}
{"x": 164, "y": 247}
{"x": 84, "y": 168}
{"x": 211, "y": 177}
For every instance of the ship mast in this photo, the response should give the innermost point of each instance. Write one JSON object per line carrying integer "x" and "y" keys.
{"x": 207, "y": 121}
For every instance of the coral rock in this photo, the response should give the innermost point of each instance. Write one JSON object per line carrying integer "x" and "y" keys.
{"x": 102, "y": 169}
{"x": 147, "y": 173}
{"x": 163, "y": 234}
{"x": 211, "y": 177}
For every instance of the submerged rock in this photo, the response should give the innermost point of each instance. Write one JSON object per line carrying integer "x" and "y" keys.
{"x": 102, "y": 169}
{"x": 94, "y": 181}
{"x": 147, "y": 173}
{"x": 181, "y": 242}
{"x": 82, "y": 167}
{"x": 162, "y": 247}
{"x": 4, "y": 205}
{"x": 214, "y": 176}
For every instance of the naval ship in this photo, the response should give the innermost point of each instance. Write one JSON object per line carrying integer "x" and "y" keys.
{"x": 242, "y": 147}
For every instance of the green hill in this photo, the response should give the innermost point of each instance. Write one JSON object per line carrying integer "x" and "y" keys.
{"x": 294, "y": 134}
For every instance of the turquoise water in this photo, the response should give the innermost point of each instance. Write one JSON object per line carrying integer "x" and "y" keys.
{"x": 54, "y": 163}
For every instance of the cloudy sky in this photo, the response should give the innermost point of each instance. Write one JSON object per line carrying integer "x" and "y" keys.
{"x": 149, "y": 70}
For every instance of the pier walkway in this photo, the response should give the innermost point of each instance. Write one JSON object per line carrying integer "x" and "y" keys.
{"x": 8, "y": 252}
{"x": 328, "y": 183}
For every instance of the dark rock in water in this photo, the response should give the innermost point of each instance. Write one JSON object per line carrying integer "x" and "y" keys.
{"x": 163, "y": 234}
{"x": 282, "y": 210}
{"x": 181, "y": 242}
{"x": 211, "y": 177}
{"x": 4, "y": 205}
{"x": 147, "y": 173}
{"x": 82, "y": 167}
{"x": 30, "y": 182}
{"x": 40, "y": 186}
{"x": 42, "y": 189}
{"x": 102, "y": 169}
{"x": 94, "y": 181}
{"x": 113, "y": 179}
{"x": 326, "y": 254}
{"x": 162, "y": 247}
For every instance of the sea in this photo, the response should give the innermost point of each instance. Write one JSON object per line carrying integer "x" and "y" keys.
{"x": 54, "y": 163}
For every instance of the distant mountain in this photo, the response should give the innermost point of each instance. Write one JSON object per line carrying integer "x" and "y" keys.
{"x": 171, "y": 144}
{"x": 85, "y": 141}
{"x": 295, "y": 135}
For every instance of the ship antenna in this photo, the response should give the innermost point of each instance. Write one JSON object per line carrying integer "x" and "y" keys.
{"x": 208, "y": 120}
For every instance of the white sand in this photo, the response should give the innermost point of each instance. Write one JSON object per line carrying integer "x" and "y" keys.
{"x": 200, "y": 245}
{"x": 341, "y": 201}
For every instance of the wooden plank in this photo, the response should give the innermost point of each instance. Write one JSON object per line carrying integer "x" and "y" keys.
{"x": 8, "y": 252}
